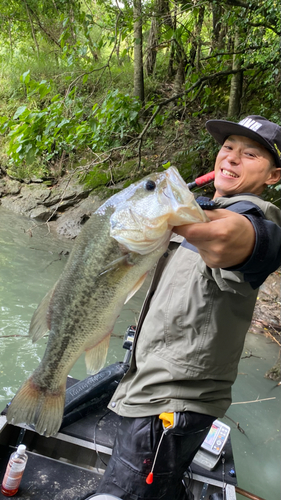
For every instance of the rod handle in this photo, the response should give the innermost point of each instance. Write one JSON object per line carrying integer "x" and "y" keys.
{"x": 201, "y": 181}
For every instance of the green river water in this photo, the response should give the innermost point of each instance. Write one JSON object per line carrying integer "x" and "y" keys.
{"x": 31, "y": 260}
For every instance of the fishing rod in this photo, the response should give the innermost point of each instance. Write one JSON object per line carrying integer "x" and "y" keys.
{"x": 202, "y": 180}
{"x": 204, "y": 202}
{"x": 247, "y": 494}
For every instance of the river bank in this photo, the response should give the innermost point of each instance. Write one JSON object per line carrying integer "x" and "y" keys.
{"x": 64, "y": 205}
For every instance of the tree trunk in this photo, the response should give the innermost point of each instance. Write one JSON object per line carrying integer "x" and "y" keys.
{"x": 216, "y": 11}
{"x": 173, "y": 45}
{"x": 138, "y": 56}
{"x": 195, "y": 49}
{"x": 218, "y": 36}
{"x": 118, "y": 49}
{"x": 161, "y": 17}
{"x": 180, "y": 77}
{"x": 32, "y": 27}
{"x": 11, "y": 41}
{"x": 152, "y": 46}
{"x": 236, "y": 85}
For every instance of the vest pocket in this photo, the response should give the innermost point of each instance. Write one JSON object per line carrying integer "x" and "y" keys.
{"x": 187, "y": 321}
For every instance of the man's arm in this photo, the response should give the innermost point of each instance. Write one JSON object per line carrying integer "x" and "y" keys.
{"x": 227, "y": 240}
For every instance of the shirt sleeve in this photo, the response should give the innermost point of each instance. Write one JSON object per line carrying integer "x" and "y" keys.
{"x": 266, "y": 256}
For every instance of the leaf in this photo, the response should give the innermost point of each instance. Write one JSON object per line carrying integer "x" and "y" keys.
{"x": 25, "y": 77}
{"x": 19, "y": 112}
{"x": 56, "y": 98}
{"x": 166, "y": 165}
{"x": 4, "y": 124}
{"x": 85, "y": 79}
{"x": 44, "y": 89}
{"x": 168, "y": 34}
{"x": 63, "y": 122}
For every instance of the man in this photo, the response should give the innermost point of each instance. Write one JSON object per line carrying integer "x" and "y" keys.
{"x": 192, "y": 328}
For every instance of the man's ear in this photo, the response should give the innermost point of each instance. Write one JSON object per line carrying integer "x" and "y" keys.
{"x": 274, "y": 177}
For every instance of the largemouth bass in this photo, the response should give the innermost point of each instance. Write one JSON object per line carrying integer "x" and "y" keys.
{"x": 116, "y": 248}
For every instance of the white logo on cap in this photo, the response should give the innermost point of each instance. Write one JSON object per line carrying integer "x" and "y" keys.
{"x": 249, "y": 123}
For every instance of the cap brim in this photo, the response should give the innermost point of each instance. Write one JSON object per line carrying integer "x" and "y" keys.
{"x": 222, "y": 129}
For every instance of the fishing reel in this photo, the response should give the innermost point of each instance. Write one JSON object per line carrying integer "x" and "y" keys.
{"x": 128, "y": 343}
{"x": 129, "y": 337}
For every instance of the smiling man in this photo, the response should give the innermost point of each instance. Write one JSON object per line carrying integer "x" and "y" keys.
{"x": 248, "y": 161}
{"x": 243, "y": 165}
{"x": 250, "y": 151}
{"x": 192, "y": 328}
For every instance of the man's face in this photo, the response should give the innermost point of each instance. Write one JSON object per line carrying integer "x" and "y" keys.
{"x": 243, "y": 166}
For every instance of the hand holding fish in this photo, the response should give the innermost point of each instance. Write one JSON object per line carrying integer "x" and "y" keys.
{"x": 227, "y": 240}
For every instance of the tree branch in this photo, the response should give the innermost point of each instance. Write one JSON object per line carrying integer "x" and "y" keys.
{"x": 43, "y": 29}
{"x": 237, "y": 3}
{"x": 102, "y": 67}
{"x": 195, "y": 85}
{"x": 28, "y": 11}
{"x": 251, "y": 47}
{"x": 265, "y": 25}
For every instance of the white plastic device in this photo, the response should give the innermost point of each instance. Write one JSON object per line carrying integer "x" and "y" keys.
{"x": 210, "y": 452}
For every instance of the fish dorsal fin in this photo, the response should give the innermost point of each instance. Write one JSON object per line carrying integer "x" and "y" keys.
{"x": 39, "y": 324}
{"x": 136, "y": 288}
{"x": 96, "y": 356}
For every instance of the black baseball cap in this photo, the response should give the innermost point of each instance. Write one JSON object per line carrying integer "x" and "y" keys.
{"x": 255, "y": 127}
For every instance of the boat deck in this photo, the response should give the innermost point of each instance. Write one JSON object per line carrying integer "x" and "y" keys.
{"x": 49, "y": 479}
{"x": 70, "y": 465}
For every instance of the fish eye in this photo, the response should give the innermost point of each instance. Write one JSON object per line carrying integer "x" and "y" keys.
{"x": 150, "y": 185}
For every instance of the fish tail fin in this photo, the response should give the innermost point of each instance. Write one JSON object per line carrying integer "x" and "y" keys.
{"x": 51, "y": 413}
{"x": 31, "y": 406}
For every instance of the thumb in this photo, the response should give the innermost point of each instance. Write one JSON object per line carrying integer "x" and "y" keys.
{"x": 218, "y": 213}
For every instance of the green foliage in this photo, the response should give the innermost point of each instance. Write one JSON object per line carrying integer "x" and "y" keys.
{"x": 199, "y": 157}
{"x": 61, "y": 126}
{"x": 72, "y": 56}
{"x": 117, "y": 116}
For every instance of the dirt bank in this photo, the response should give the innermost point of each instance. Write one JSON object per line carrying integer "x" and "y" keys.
{"x": 65, "y": 206}
{"x": 267, "y": 317}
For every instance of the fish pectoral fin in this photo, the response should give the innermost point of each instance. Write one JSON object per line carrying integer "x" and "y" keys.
{"x": 96, "y": 356}
{"x": 135, "y": 288}
{"x": 127, "y": 260}
{"x": 115, "y": 264}
{"x": 39, "y": 322}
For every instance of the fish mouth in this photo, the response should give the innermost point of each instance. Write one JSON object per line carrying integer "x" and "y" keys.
{"x": 176, "y": 189}
{"x": 166, "y": 194}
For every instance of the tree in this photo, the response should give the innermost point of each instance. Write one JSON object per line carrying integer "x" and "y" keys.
{"x": 236, "y": 86}
{"x": 138, "y": 53}
{"x": 152, "y": 43}
{"x": 196, "y": 43}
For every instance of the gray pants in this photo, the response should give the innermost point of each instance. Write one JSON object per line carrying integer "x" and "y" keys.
{"x": 134, "y": 452}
